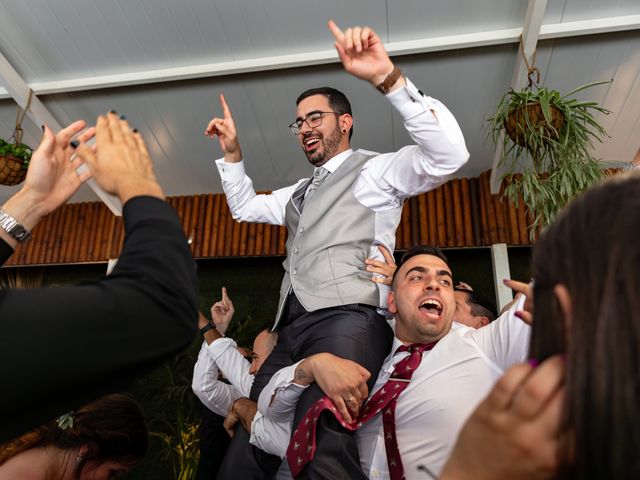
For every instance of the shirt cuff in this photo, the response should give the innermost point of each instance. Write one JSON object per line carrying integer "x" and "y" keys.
{"x": 411, "y": 102}
{"x": 230, "y": 172}
{"x": 219, "y": 346}
{"x": 280, "y": 392}
{"x": 142, "y": 208}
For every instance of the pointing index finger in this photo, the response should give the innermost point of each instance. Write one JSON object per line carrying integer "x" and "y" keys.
{"x": 335, "y": 30}
{"x": 225, "y": 108}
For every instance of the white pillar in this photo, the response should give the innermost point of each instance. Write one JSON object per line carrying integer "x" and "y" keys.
{"x": 500, "y": 263}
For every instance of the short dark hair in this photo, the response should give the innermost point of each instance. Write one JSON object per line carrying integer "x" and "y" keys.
{"x": 419, "y": 250}
{"x": 480, "y": 305}
{"x": 338, "y": 101}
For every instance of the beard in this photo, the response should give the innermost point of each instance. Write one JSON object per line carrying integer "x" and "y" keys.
{"x": 328, "y": 148}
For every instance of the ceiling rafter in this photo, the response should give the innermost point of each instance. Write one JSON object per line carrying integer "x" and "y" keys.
{"x": 19, "y": 91}
{"x": 530, "y": 34}
{"x": 321, "y": 57}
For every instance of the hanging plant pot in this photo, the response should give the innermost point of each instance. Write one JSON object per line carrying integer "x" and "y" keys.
{"x": 526, "y": 118}
{"x": 12, "y": 169}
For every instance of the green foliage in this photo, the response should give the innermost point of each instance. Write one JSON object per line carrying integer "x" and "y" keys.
{"x": 22, "y": 151}
{"x": 553, "y": 154}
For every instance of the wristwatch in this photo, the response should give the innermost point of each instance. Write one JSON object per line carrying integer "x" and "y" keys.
{"x": 206, "y": 328}
{"x": 390, "y": 81}
{"x": 13, "y": 228}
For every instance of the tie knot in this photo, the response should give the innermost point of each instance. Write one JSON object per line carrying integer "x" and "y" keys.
{"x": 416, "y": 347}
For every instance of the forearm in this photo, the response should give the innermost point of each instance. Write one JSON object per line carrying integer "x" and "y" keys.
{"x": 245, "y": 409}
{"x": 433, "y": 128}
{"x": 244, "y": 203}
{"x": 100, "y": 335}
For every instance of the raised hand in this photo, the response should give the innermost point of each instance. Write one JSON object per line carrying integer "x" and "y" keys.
{"x": 51, "y": 178}
{"x": 385, "y": 270}
{"x": 525, "y": 289}
{"x": 222, "y": 312}
{"x": 225, "y": 129}
{"x": 362, "y": 53}
{"x": 121, "y": 164}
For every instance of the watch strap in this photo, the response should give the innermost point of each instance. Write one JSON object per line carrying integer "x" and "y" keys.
{"x": 206, "y": 328}
{"x": 13, "y": 228}
{"x": 391, "y": 79}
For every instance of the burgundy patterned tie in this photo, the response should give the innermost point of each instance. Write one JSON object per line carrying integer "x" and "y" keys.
{"x": 302, "y": 447}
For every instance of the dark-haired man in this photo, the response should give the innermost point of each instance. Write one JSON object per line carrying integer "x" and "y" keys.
{"x": 472, "y": 309}
{"x": 451, "y": 377}
{"x": 337, "y": 218}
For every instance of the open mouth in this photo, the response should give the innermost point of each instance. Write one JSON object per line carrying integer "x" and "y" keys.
{"x": 432, "y": 307}
{"x": 311, "y": 143}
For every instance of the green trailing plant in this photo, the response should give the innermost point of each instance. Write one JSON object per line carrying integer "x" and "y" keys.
{"x": 18, "y": 150}
{"x": 548, "y": 142}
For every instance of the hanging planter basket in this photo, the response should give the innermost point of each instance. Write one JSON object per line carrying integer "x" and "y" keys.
{"x": 530, "y": 117}
{"x": 13, "y": 170}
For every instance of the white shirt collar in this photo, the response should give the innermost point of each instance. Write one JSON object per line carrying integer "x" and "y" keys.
{"x": 333, "y": 164}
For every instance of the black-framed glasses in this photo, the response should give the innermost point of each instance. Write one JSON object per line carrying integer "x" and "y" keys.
{"x": 313, "y": 119}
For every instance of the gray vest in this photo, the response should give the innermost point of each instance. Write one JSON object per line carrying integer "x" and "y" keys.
{"x": 329, "y": 242}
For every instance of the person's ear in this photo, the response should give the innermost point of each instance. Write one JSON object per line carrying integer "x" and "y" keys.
{"x": 346, "y": 122}
{"x": 564, "y": 299}
{"x": 481, "y": 322}
{"x": 391, "y": 303}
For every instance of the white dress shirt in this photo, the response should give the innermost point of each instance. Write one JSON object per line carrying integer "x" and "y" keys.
{"x": 223, "y": 356}
{"x": 444, "y": 390}
{"x": 385, "y": 181}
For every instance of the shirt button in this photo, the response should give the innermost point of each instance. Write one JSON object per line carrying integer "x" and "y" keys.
{"x": 375, "y": 474}
{"x": 301, "y": 229}
{"x": 295, "y": 250}
{"x": 294, "y": 272}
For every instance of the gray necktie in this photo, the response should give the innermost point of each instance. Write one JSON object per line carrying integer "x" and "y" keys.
{"x": 318, "y": 177}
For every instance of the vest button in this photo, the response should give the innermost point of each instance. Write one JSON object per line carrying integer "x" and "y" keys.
{"x": 293, "y": 272}
{"x": 301, "y": 229}
{"x": 295, "y": 250}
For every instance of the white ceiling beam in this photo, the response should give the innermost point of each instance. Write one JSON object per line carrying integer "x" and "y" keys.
{"x": 530, "y": 34}
{"x": 321, "y": 57}
{"x": 19, "y": 90}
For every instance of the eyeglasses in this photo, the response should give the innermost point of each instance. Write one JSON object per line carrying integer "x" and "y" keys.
{"x": 313, "y": 119}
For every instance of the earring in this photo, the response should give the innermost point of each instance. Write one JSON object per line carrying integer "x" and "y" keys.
{"x": 344, "y": 131}
{"x": 79, "y": 458}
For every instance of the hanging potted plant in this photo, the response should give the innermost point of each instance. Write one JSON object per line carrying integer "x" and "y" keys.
{"x": 548, "y": 142}
{"x": 14, "y": 160}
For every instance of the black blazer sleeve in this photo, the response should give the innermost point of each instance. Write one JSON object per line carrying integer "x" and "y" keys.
{"x": 5, "y": 251}
{"x": 63, "y": 347}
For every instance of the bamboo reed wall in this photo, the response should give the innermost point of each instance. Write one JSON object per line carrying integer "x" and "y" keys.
{"x": 460, "y": 213}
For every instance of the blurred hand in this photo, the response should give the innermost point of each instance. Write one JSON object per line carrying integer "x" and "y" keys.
{"x": 525, "y": 289}
{"x": 386, "y": 269}
{"x": 516, "y": 431}
{"x": 225, "y": 128}
{"x": 222, "y": 312}
{"x": 121, "y": 164}
{"x": 51, "y": 178}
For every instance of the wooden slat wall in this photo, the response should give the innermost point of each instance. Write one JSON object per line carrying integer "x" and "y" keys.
{"x": 461, "y": 213}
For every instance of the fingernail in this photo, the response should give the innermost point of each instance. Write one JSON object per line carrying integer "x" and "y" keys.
{"x": 135, "y": 130}
{"x": 42, "y": 127}
{"x": 123, "y": 117}
{"x": 518, "y": 313}
{"x": 113, "y": 111}
{"x": 533, "y": 362}
{"x": 505, "y": 280}
{"x": 74, "y": 143}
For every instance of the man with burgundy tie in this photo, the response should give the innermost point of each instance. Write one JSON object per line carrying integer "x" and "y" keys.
{"x": 440, "y": 368}
{"x": 337, "y": 218}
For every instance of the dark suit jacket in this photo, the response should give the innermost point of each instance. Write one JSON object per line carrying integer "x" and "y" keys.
{"x": 63, "y": 347}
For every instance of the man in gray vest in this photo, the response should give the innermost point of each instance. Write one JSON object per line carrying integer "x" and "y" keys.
{"x": 335, "y": 219}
